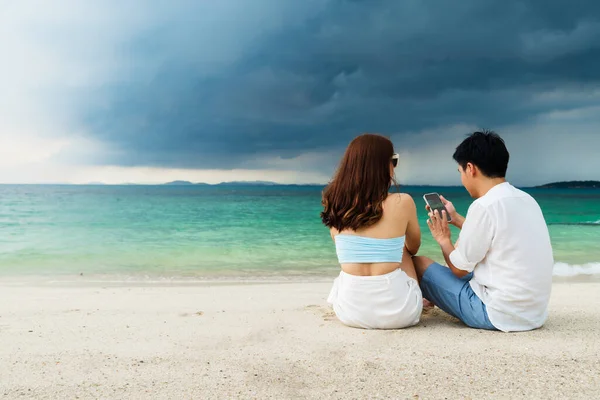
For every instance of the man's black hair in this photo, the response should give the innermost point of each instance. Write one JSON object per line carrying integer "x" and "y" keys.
{"x": 486, "y": 150}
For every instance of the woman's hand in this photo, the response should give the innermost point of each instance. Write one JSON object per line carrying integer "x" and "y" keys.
{"x": 438, "y": 225}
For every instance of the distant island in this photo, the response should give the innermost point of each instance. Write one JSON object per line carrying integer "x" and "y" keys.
{"x": 571, "y": 185}
{"x": 178, "y": 183}
{"x": 232, "y": 183}
{"x": 184, "y": 183}
{"x": 250, "y": 183}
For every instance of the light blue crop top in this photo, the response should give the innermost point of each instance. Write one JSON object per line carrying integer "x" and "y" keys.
{"x": 352, "y": 249}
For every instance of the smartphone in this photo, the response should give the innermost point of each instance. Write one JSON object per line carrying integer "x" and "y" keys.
{"x": 435, "y": 203}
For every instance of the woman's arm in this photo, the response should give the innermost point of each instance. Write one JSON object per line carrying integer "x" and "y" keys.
{"x": 413, "y": 230}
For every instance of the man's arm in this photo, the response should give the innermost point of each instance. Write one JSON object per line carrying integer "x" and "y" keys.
{"x": 438, "y": 225}
{"x": 458, "y": 220}
{"x": 447, "y": 249}
{"x": 475, "y": 239}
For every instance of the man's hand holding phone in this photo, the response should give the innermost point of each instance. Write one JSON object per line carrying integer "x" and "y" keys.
{"x": 455, "y": 218}
{"x": 449, "y": 207}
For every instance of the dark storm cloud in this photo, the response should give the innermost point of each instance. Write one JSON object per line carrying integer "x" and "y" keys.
{"x": 215, "y": 87}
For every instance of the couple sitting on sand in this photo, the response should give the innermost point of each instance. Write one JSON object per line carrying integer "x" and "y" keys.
{"x": 498, "y": 274}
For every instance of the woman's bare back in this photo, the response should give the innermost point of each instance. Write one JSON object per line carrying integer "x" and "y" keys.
{"x": 399, "y": 219}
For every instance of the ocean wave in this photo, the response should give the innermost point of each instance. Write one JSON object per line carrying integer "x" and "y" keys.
{"x": 565, "y": 270}
{"x": 585, "y": 223}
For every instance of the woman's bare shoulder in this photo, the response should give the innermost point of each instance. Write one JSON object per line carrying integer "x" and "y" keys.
{"x": 333, "y": 233}
{"x": 401, "y": 200}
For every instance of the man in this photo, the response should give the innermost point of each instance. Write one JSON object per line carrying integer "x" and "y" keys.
{"x": 499, "y": 274}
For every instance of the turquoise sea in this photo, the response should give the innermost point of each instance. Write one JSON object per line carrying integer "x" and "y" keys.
{"x": 224, "y": 231}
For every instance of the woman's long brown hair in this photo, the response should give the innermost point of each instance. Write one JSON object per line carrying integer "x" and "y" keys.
{"x": 354, "y": 198}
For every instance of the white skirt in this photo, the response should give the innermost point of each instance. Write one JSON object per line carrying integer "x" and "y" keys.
{"x": 389, "y": 301}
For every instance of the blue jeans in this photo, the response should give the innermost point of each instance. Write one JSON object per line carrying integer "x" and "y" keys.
{"x": 455, "y": 296}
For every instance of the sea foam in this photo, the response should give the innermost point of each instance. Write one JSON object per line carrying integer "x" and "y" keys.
{"x": 564, "y": 269}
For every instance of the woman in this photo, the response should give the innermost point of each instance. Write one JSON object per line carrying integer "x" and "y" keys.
{"x": 375, "y": 234}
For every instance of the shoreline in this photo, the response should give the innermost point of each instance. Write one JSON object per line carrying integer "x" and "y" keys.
{"x": 113, "y": 280}
{"x": 139, "y": 280}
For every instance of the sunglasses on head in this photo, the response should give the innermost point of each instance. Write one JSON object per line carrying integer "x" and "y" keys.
{"x": 395, "y": 159}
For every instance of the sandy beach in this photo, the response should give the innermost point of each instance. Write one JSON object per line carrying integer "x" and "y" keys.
{"x": 281, "y": 340}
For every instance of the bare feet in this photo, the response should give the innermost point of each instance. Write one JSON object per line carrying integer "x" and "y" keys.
{"x": 427, "y": 305}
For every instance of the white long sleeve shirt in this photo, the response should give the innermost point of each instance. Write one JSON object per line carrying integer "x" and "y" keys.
{"x": 505, "y": 242}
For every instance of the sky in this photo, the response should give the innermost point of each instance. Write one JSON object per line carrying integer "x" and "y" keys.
{"x": 153, "y": 91}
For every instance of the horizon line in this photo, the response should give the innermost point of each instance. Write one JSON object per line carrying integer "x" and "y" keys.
{"x": 251, "y": 183}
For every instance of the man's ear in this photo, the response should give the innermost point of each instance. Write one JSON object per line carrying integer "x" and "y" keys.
{"x": 471, "y": 170}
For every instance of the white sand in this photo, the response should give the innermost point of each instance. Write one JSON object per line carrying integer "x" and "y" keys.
{"x": 277, "y": 341}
